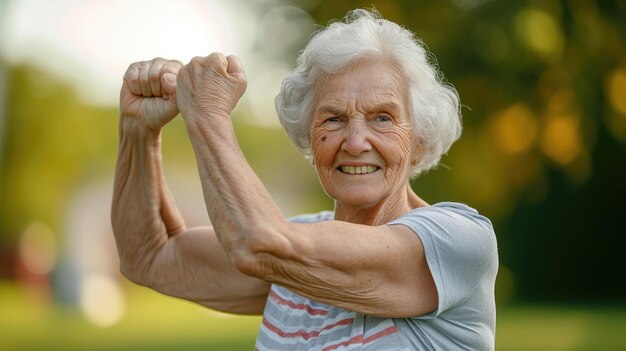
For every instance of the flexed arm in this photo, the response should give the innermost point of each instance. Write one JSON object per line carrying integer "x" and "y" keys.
{"x": 155, "y": 247}
{"x": 376, "y": 270}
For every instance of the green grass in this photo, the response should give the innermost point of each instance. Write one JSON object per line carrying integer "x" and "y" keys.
{"x": 155, "y": 322}
{"x": 561, "y": 328}
{"x": 151, "y": 322}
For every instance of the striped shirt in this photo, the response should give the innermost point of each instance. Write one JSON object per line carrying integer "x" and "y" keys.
{"x": 293, "y": 322}
{"x": 461, "y": 253}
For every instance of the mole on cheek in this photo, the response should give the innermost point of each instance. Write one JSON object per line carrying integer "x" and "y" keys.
{"x": 324, "y": 138}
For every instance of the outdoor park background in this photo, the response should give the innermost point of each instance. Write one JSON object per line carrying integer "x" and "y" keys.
{"x": 543, "y": 154}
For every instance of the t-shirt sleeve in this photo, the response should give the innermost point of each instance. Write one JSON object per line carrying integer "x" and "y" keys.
{"x": 312, "y": 217}
{"x": 460, "y": 248}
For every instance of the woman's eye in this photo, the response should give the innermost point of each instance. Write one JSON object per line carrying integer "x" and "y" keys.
{"x": 333, "y": 119}
{"x": 383, "y": 118}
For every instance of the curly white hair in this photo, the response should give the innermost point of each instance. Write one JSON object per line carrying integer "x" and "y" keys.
{"x": 365, "y": 35}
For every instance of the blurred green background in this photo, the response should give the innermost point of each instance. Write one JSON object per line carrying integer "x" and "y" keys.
{"x": 543, "y": 154}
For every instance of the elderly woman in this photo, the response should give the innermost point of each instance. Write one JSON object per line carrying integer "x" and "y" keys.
{"x": 383, "y": 271}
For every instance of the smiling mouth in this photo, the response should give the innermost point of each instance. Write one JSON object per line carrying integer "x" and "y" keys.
{"x": 358, "y": 169}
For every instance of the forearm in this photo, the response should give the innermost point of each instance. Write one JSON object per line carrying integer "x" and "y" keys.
{"x": 138, "y": 200}
{"x": 237, "y": 201}
{"x": 156, "y": 249}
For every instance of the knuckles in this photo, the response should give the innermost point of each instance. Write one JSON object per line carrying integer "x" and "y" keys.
{"x": 201, "y": 76}
{"x": 142, "y": 73}
{"x": 172, "y": 66}
{"x": 217, "y": 58}
{"x": 154, "y": 73}
{"x": 215, "y": 61}
{"x": 132, "y": 71}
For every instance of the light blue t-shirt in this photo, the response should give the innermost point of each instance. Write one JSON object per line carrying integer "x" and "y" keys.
{"x": 461, "y": 252}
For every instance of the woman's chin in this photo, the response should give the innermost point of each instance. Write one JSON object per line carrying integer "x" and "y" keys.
{"x": 357, "y": 197}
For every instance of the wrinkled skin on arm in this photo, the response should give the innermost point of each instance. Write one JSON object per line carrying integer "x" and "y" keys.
{"x": 373, "y": 269}
{"x": 156, "y": 249}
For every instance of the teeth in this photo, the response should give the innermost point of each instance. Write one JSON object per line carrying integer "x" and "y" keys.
{"x": 358, "y": 170}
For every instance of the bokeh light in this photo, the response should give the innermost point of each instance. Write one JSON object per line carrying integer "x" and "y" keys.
{"x": 561, "y": 140}
{"x": 102, "y": 300}
{"x": 615, "y": 90}
{"x": 541, "y": 32}
{"x": 38, "y": 248}
{"x": 515, "y": 129}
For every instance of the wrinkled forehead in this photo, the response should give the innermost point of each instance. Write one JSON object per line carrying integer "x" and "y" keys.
{"x": 367, "y": 83}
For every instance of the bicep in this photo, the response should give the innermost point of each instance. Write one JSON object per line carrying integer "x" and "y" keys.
{"x": 375, "y": 270}
{"x": 193, "y": 266}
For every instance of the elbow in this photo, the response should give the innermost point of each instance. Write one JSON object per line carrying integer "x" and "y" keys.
{"x": 135, "y": 271}
{"x": 248, "y": 263}
{"x": 130, "y": 275}
{"x": 260, "y": 253}
{"x": 134, "y": 275}
{"x": 137, "y": 254}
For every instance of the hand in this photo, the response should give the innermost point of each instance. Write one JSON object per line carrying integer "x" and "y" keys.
{"x": 210, "y": 85}
{"x": 148, "y": 94}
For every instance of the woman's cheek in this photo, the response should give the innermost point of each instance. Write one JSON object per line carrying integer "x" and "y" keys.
{"x": 318, "y": 144}
{"x": 316, "y": 135}
{"x": 405, "y": 140}
{"x": 396, "y": 151}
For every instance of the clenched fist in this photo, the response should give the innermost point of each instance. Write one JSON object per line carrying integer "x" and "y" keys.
{"x": 148, "y": 95}
{"x": 210, "y": 87}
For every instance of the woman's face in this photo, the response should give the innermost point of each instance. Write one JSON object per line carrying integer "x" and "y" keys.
{"x": 361, "y": 135}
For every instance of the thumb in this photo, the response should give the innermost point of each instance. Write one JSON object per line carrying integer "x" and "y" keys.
{"x": 168, "y": 82}
{"x": 235, "y": 68}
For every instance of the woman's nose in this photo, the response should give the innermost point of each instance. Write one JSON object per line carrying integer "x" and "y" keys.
{"x": 356, "y": 139}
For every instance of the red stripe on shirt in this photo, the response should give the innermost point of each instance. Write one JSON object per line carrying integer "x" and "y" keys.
{"x": 380, "y": 334}
{"x": 360, "y": 339}
{"x": 354, "y": 340}
{"x": 302, "y": 333}
{"x": 311, "y": 310}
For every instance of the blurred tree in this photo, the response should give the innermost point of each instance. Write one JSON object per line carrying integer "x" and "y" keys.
{"x": 52, "y": 142}
{"x": 544, "y": 146}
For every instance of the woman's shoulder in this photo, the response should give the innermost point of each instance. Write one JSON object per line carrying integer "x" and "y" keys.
{"x": 448, "y": 206}
{"x": 451, "y": 222}
{"x": 449, "y": 211}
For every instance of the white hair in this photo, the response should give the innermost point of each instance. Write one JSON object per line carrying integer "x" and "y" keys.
{"x": 434, "y": 105}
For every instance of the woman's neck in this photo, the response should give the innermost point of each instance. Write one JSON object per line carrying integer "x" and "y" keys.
{"x": 388, "y": 210}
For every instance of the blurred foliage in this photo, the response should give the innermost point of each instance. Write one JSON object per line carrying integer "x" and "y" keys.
{"x": 543, "y": 84}
{"x": 52, "y": 144}
{"x": 543, "y": 152}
